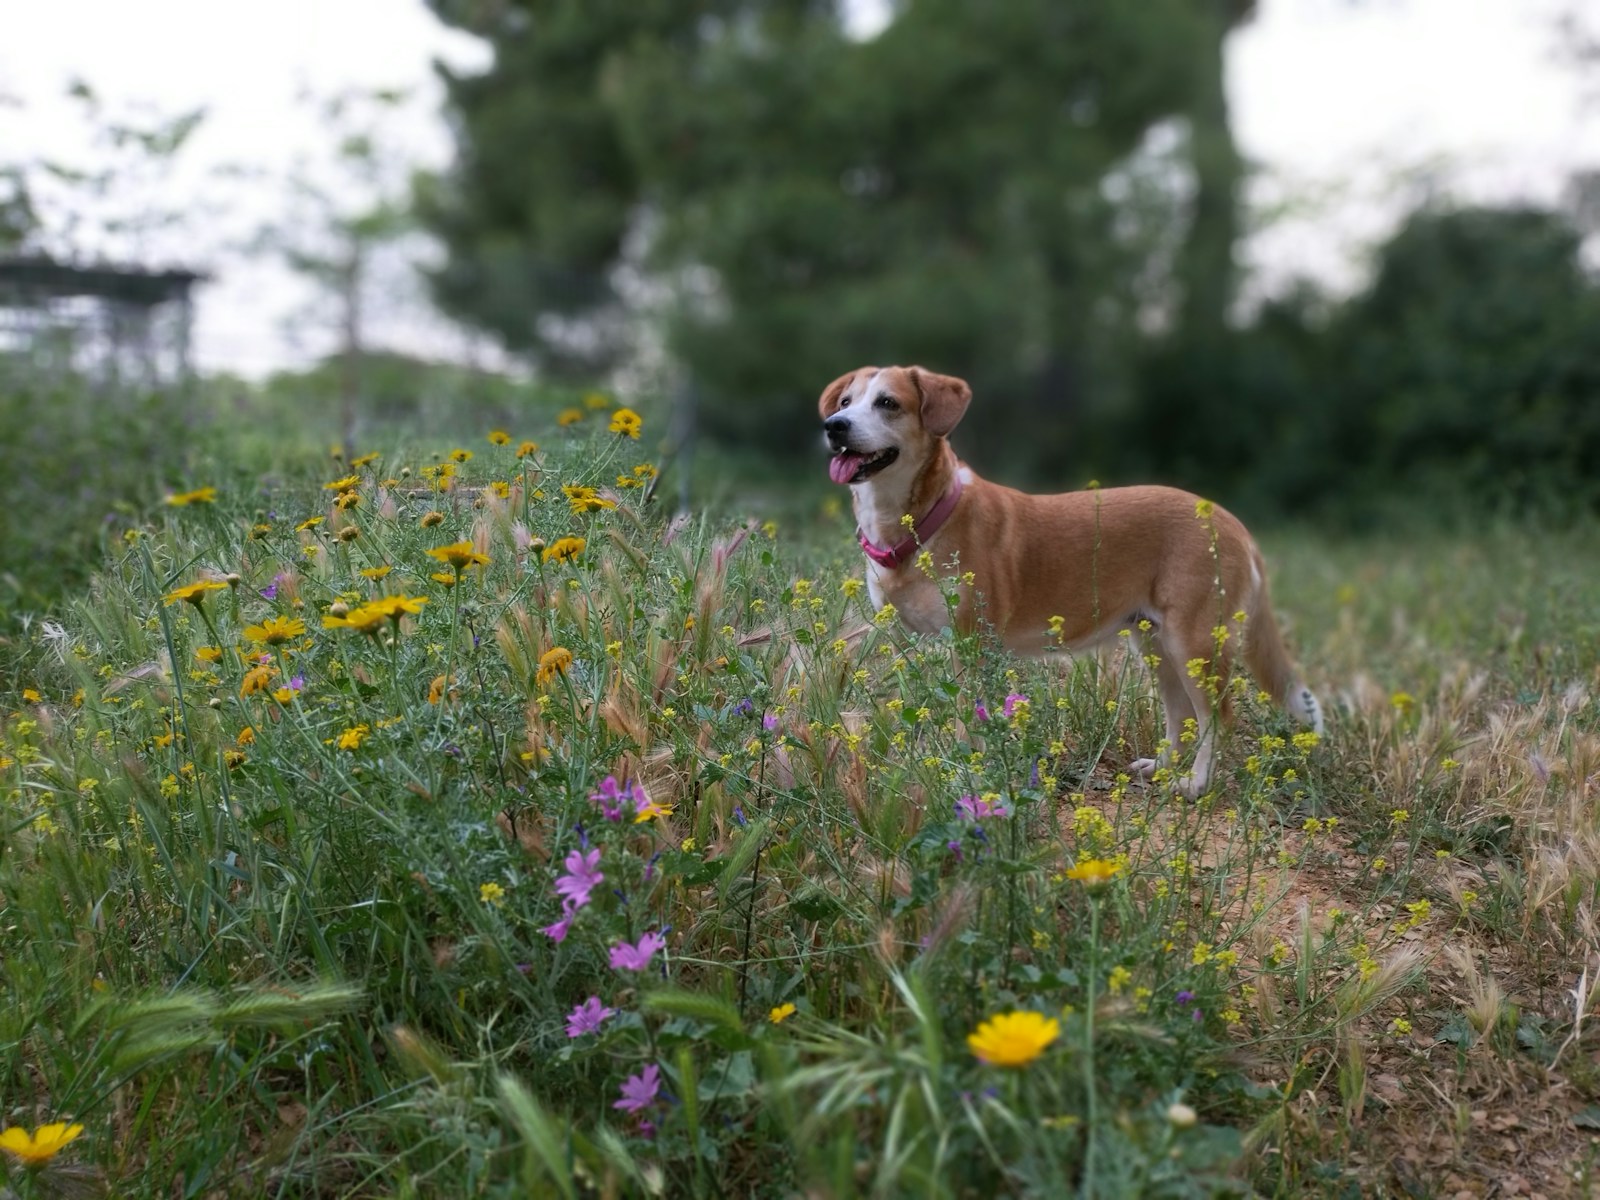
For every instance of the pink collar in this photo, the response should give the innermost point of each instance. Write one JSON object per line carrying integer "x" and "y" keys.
{"x": 906, "y": 548}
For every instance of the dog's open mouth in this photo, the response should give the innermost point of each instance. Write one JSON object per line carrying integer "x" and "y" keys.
{"x": 850, "y": 467}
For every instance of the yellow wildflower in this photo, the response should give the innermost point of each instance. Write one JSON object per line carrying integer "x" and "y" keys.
{"x": 194, "y": 593}
{"x": 39, "y": 1147}
{"x": 781, "y": 1014}
{"x": 553, "y": 662}
{"x": 458, "y": 555}
{"x": 1013, "y": 1039}
{"x": 626, "y": 423}
{"x": 205, "y": 495}
{"x": 274, "y": 631}
{"x": 499, "y": 437}
{"x": 1094, "y": 872}
{"x": 564, "y": 549}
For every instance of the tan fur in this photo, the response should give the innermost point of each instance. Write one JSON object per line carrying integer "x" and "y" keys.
{"x": 1102, "y": 561}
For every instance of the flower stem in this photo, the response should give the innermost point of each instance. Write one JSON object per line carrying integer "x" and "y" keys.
{"x": 1090, "y": 1124}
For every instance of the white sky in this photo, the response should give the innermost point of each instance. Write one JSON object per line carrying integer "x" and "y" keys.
{"x": 1352, "y": 110}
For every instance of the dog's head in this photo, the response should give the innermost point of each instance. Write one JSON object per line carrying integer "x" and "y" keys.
{"x": 874, "y": 418}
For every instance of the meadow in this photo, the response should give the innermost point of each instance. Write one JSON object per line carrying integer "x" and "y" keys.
{"x": 463, "y": 823}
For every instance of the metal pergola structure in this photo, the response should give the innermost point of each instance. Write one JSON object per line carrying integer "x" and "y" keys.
{"x": 116, "y": 325}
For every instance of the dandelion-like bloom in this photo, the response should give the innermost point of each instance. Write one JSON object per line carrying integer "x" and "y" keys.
{"x": 461, "y": 456}
{"x": 526, "y": 448}
{"x": 365, "y": 459}
{"x": 636, "y": 957}
{"x": 395, "y": 607}
{"x": 1094, "y": 872}
{"x": 342, "y": 485}
{"x": 569, "y": 416}
{"x": 205, "y": 495}
{"x": 375, "y": 572}
{"x": 208, "y": 654}
{"x": 587, "y": 1017}
{"x": 492, "y": 893}
{"x": 274, "y": 631}
{"x": 582, "y": 877}
{"x": 365, "y": 619}
{"x": 39, "y": 1147}
{"x": 553, "y": 662}
{"x": 436, "y": 689}
{"x": 257, "y": 679}
{"x": 459, "y": 555}
{"x": 646, "y": 809}
{"x": 309, "y": 523}
{"x": 352, "y": 738}
{"x": 781, "y": 1014}
{"x": 585, "y": 499}
{"x": 499, "y": 437}
{"x": 564, "y": 549}
{"x": 644, "y": 471}
{"x": 639, "y": 1091}
{"x": 430, "y": 519}
{"x": 194, "y": 593}
{"x": 1013, "y": 1039}
{"x": 626, "y": 423}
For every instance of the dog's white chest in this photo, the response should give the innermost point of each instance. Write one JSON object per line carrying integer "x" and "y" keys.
{"x": 916, "y": 598}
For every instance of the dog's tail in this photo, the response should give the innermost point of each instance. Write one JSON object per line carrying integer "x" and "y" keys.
{"x": 1267, "y": 656}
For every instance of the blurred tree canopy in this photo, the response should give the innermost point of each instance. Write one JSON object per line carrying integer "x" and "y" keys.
{"x": 1040, "y": 196}
{"x": 813, "y": 201}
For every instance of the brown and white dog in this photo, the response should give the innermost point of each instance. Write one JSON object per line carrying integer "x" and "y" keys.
{"x": 1070, "y": 570}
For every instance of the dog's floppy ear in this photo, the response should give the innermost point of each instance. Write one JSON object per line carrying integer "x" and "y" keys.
{"x": 833, "y": 393}
{"x": 944, "y": 400}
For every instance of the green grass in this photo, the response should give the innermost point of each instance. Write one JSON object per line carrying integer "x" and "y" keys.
{"x": 294, "y": 942}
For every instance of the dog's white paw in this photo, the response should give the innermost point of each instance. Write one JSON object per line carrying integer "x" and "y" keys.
{"x": 1143, "y": 768}
{"x": 1191, "y": 785}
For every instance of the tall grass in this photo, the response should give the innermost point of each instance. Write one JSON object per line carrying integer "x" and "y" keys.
{"x": 320, "y": 910}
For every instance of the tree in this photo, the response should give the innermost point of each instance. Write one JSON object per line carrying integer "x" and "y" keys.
{"x": 537, "y": 211}
{"x": 931, "y": 194}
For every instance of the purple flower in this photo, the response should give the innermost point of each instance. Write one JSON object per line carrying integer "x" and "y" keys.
{"x": 587, "y": 1017}
{"x": 297, "y": 682}
{"x": 270, "y": 592}
{"x": 636, "y": 958}
{"x": 980, "y": 712}
{"x": 738, "y": 815}
{"x": 769, "y": 721}
{"x": 1184, "y": 997}
{"x": 955, "y": 848}
{"x": 583, "y": 875}
{"x": 744, "y": 708}
{"x": 558, "y": 931}
{"x": 973, "y": 808}
{"x": 1196, "y": 1015}
{"x": 1014, "y": 699}
{"x": 610, "y": 798}
{"x": 639, "y": 1091}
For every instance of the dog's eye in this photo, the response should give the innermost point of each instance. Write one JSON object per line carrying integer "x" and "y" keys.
{"x": 845, "y": 403}
{"x": 885, "y": 402}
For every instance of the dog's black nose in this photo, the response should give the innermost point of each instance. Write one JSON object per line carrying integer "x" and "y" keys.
{"x": 836, "y": 426}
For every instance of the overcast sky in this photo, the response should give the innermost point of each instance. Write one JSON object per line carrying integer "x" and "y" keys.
{"x": 1352, "y": 110}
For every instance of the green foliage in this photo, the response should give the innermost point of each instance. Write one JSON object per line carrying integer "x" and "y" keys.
{"x": 81, "y": 461}
{"x": 1461, "y": 380}
{"x": 207, "y": 827}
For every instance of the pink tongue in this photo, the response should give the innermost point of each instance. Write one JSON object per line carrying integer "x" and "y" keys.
{"x": 842, "y": 467}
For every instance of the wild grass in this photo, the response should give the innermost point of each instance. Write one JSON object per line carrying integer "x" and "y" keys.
{"x": 320, "y": 911}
